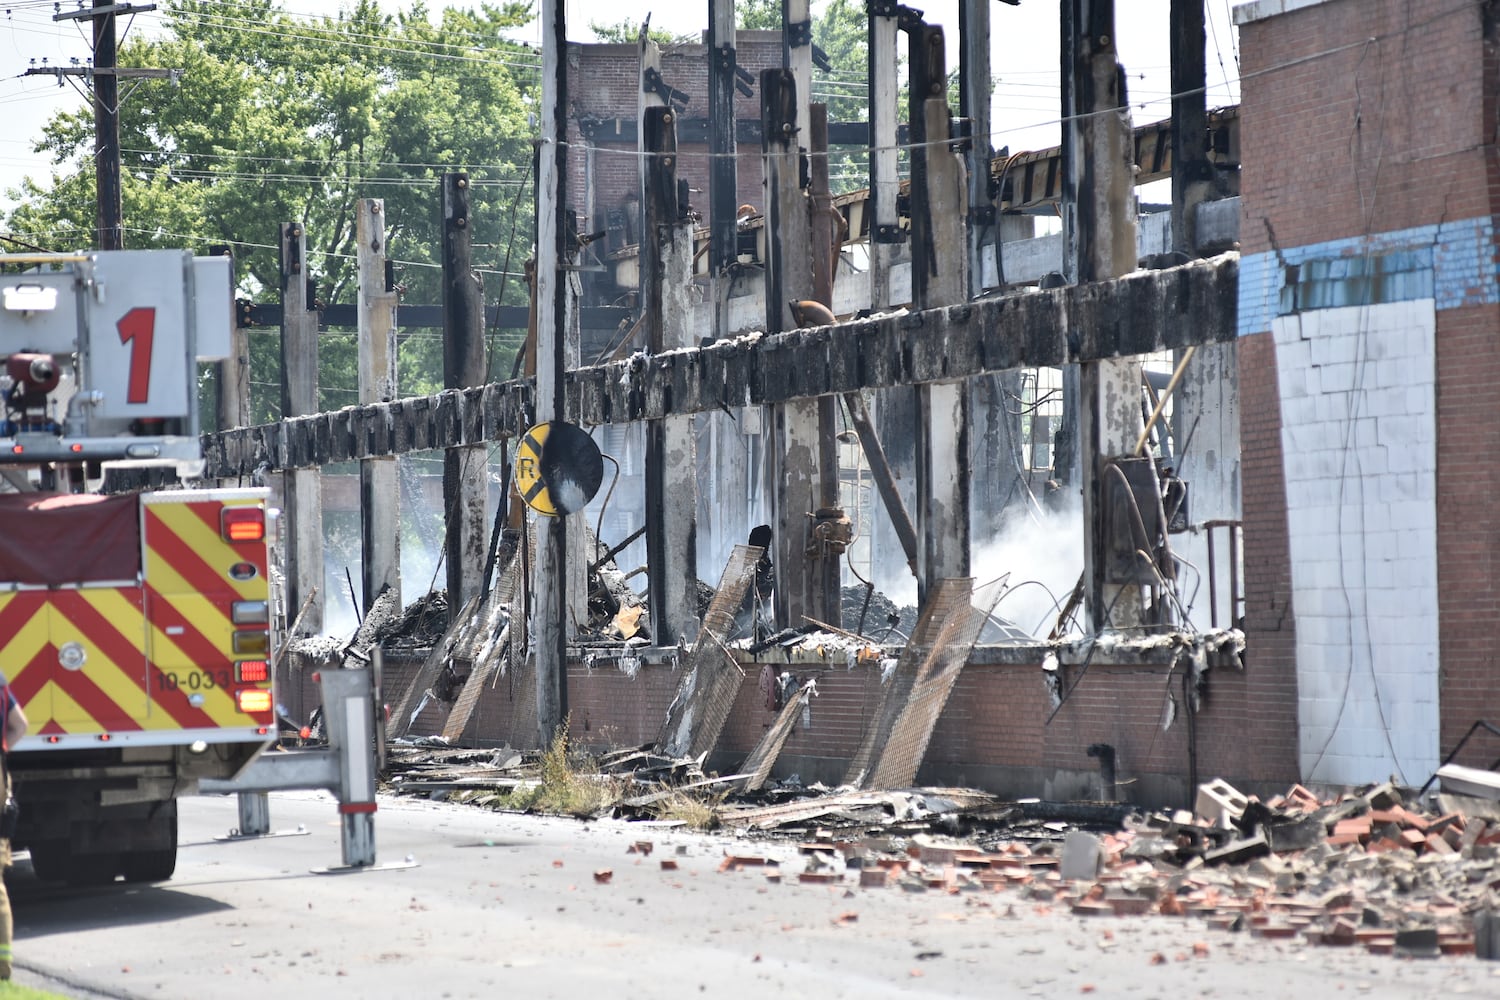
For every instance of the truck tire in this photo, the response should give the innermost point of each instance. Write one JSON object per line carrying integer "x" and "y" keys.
{"x": 92, "y": 869}
{"x": 157, "y": 861}
{"x": 49, "y": 860}
{"x": 149, "y": 866}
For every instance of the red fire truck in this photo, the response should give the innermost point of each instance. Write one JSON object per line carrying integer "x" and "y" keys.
{"x": 135, "y": 629}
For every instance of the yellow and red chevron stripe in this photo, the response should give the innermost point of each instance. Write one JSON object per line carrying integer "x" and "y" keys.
{"x": 142, "y": 661}
{"x": 189, "y": 592}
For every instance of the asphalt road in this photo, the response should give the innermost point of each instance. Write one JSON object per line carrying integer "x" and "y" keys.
{"x": 510, "y": 905}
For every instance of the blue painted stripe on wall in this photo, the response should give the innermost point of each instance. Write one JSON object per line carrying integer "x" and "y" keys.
{"x": 1465, "y": 267}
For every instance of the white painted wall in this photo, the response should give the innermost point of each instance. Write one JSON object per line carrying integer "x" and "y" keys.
{"x": 1205, "y": 413}
{"x": 1359, "y": 450}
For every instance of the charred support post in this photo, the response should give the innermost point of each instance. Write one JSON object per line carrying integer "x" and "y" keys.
{"x": 465, "y": 489}
{"x": 1192, "y": 170}
{"x": 824, "y": 256}
{"x": 807, "y": 576}
{"x": 885, "y": 179}
{"x": 821, "y": 227}
{"x": 939, "y": 277}
{"x": 302, "y": 490}
{"x": 379, "y": 490}
{"x": 671, "y": 448}
{"x": 648, "y": 61}
{"x": 974, "y": 86}
{"x": 722, "y": 182}
{"x": 550, "y": 583}
{"x": 895, "y": 409}
{"x": 1099, "y": 243}
{"x": 233, "y": 407}
{"x": 996, "y": 430}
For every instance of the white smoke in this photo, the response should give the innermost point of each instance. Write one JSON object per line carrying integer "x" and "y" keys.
{"x": 1043, "y": 553}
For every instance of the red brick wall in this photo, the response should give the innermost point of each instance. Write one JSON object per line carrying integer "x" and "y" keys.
{"x": 993, "y": 733}
{"x": 1468, "y": 525}
{"x": 1468, "y": 442}
{"x": 603, "y": 83}
{"x": 1266, "y": 700}
{"x": 1340, "y": 136}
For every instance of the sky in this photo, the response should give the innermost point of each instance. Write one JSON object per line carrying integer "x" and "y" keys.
{"x": 1023, "y": 44}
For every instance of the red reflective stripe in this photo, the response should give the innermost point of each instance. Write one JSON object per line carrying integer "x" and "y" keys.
{"x": 33, "y": 675}
{"x": 93, "y": 700}
{"x": 170, "y": 547}
{"x": 121, "y": 651}
{"x": 198, "y": 647}
{"x": 346, "y": 808}
{"x": 210, "y": 511}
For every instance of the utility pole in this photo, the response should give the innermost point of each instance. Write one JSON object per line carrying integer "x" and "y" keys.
{"x": 105, "y": 75}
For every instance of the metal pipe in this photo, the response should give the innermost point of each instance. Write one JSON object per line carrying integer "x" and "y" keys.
{"x": 1161, "y": 404}
{"x": 1213, "y": 588}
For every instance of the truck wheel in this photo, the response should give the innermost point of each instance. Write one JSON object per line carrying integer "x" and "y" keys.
{"x": 92, "y": 869}
{"x": 49, "y": 860}
{"x": 150, "y": 866}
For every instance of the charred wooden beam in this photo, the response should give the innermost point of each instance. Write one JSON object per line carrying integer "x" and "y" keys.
{"x": 1140, "y": 313}
{"x": 465, "y": 471}
{"x": 302, "y": 491}
{"x": 380, "y": 504}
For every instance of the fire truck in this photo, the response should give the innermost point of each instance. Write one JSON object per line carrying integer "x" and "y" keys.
{"x": 135, "y": 628}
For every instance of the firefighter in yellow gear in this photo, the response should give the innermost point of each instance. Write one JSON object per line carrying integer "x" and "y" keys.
{"x": 15, "y": 728}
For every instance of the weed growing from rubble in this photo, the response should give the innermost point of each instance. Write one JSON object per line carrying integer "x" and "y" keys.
{"x": 698, "y": 811}
{"x": 571, "y": 785}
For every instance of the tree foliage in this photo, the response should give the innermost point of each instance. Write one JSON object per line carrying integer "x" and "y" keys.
{"x": 628, "y": 32}
{"x": 281, "y": 119}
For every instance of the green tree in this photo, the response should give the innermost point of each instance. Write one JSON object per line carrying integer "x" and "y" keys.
{"x": 281, "y": 119}
{"x": 758, "y": 14}
{"x": 628, "y": 32}
{"x": 840, "y": 30}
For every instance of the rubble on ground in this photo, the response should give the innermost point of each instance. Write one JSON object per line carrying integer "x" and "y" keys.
{"x": 1372, "y": 869}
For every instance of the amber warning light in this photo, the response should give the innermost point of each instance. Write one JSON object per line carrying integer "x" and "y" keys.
{"x": 255, "y": 700}
{"x": 243, "y": 524}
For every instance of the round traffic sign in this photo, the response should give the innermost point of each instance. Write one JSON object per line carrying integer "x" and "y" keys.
{"x": 558, "y": 468}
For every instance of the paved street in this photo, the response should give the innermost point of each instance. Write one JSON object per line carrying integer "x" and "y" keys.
{"x": 508, "y": 905}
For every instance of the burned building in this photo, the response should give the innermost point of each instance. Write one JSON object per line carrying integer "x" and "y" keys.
{"x": 1314, "y": 610}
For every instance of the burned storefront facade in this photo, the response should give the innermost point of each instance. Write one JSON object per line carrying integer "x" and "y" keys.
{"x": 1281, "y": 538}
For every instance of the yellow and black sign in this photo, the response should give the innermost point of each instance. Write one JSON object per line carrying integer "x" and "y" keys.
{"x": 558, "y": 468}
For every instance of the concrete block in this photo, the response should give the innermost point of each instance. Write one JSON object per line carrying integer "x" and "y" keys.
{"x": 1487, "y": 934}
{"x": 1296, "y": 835}
{"x": 1081, "y": 856}
{"x": 1218, "y": 801}
{"x": 1418, "y": 942}
{"x": 1238, "y": 851}
{"x": 1469, "y": 781}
